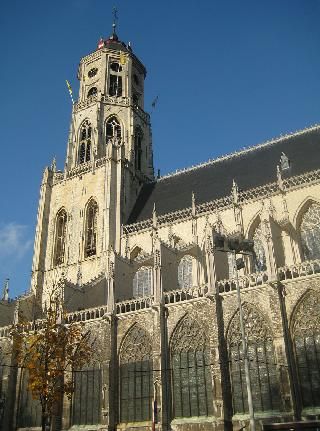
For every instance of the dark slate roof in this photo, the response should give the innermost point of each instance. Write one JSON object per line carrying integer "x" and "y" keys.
{"x": 250, "y": 168}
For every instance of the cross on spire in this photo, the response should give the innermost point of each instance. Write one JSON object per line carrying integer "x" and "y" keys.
{"x": 115, "y": 19}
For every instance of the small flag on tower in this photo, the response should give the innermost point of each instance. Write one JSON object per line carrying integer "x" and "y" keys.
{"x": 70, "y": 90}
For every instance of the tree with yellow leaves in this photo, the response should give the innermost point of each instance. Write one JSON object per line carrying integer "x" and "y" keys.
{"x": 49, "y": 352}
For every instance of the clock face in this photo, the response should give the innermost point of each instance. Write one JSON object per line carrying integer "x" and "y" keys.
{"x": 92, "y": 72}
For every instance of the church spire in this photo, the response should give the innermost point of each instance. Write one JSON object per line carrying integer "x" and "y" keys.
{"x": 114, "y": 24}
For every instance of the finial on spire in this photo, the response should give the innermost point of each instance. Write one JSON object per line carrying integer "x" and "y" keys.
{"x": 114, "y": 24}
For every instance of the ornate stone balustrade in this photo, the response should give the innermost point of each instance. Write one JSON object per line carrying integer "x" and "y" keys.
{"x": 302, "y": 269}
{"x": 134, "y": 305}
{"x": 179, "y": 295}
{"x": 125, "y": 101}
{"x": 5, "y": 331}
{"x": 84, "y": 104}
{"x": 245, "y": 281}
{"x": 87, "y": 314}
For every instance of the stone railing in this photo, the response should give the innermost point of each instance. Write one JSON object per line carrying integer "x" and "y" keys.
{"x": 136, "y": 304}
{"x": 87, "y": 314}
{"x": 179, "y": 295}
{"x": 245, "y": 281}
{"x": 302, "y": 269}
{"x": 5, "y": 331}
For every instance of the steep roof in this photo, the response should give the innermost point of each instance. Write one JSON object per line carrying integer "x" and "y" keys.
{"x": 250, "y": 168}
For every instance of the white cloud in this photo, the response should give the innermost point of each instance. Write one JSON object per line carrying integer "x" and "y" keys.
{"x": 14, "y": 242}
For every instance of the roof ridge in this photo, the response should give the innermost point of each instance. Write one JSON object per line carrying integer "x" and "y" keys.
{"x": 244, "y": 150}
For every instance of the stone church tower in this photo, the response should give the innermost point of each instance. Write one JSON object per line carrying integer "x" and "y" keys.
{"x": 183, "y": 334}
{"x": 109, "y": 157}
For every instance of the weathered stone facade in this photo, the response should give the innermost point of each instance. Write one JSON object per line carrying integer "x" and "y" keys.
{"x": 158, "y": 296}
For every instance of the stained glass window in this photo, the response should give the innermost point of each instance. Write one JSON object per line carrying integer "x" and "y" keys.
{"x": 91, "y": 229}
{"x": 60, "y": 238}
{"x": 86, "y": 402}
{"x": 310, "y": 233}
{"x": 306, "y": 334}
{"x": 136, "y": 387}
{"x": 263, "y": 371}
{"x": 259, "y": 256}
{"x": 185, "y": 272}
{"x": 85, "y": 142}
{"x": 142, "y": 282}
{"x": 191, "y": 371}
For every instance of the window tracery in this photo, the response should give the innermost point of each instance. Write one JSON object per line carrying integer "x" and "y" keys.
{"x": 136, "y": 387}
{"x": 263, "y": 371}
{"x": 86, "y": 406}
{"x": 91, "y": 229}
{"x": 259, "y": 255}
{"x": 310, "y": 233}
{"x": 85, "y": 142}
{"x": 113, "y": 130}
{"x": 191, "y": 374}
{"x": 60, "y": 238}
{"x": 306, "y": 337}
{"x": 142, "y": 282}
{"x": 185, "y": 272}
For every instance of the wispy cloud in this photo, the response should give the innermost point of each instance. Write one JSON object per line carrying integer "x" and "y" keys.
{"x": 14, "y": 241}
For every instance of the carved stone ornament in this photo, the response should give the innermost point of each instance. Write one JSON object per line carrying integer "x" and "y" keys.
{"x": 137, "y": 346}
{"x": 306, "y": 320}
{"x": 189, "y": 336}
{"x": 256, "y": 328}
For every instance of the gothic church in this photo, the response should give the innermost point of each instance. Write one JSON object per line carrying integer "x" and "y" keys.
{"x": 139, "y": 266}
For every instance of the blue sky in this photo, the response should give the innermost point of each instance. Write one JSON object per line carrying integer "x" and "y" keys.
{"x": 228, "y": 74}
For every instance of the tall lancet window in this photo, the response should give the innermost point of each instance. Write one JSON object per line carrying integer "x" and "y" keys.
{"x": 259, "y": 255}
{"x": 91, "y": 229}
{"x": 113, "y": 130}
{"x": 136, "y": 388}
{"x": 185, "y": 272}
{"x": 115, "y": 83}
{"x": 310, "y": 233}
{"x": 262, "y": 363}
{"x": 85, "y": 142}
{"x": 60, "y": 238}
{"x": 306, "y": 341}
{"x": 191, "y": 371}
{"x": 142, "y": 282}
{"x": 138, "y": 136}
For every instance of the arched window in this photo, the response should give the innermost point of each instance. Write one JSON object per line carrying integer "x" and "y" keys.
{"x": 92, "y": 92}
{"x": 115, "y": 80}
{"x": 91, "y": 229}
{"x": 86, "y": 406}
{"x": 185, "y": 272}
{"x": 142, "y": 282}
{"x": 310, "y": 233}
{"x": 191, "y": 371}
{"x": 306, "y": 340}
{"x": 136, "y": 387}
{"x": 263, "y": 371}
{"x": 259, "y": 255}
{"x": 138, "y": 136}
{"x": 85, "y": 142}
{"x": 113, "y": 130}
{"x": 60, "y": 238}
